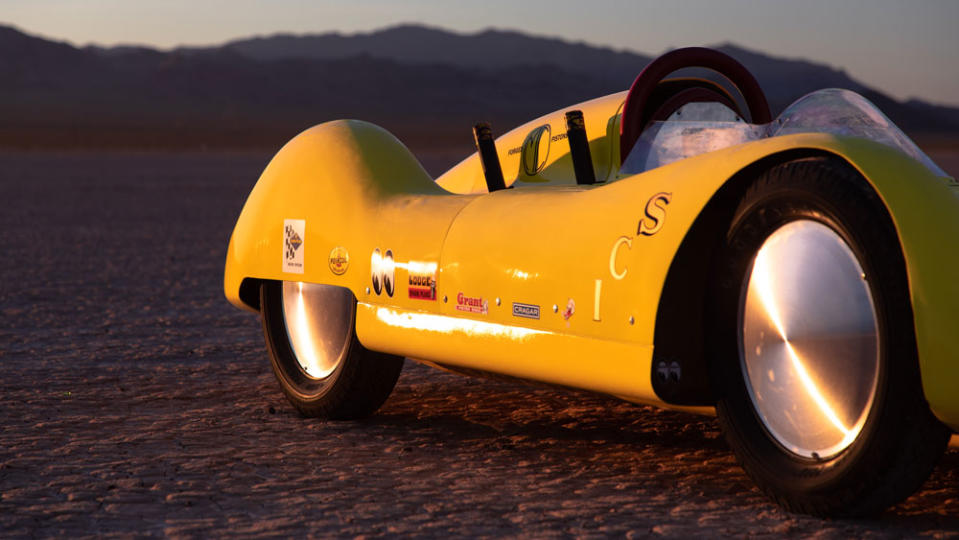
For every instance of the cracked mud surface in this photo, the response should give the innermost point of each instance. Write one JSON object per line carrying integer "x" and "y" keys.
{"x": 135, "y": 400}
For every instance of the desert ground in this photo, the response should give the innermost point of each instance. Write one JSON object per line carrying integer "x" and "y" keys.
{"x": 134, "y": 400}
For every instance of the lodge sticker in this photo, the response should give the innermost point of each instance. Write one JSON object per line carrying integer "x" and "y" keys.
{"x": 422, "y": 281}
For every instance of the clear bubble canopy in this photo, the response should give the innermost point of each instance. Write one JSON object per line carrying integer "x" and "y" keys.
{"x": 698, "y": 128}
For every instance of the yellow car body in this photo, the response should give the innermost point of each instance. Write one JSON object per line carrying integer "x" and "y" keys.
{"x": 554, "y": 281}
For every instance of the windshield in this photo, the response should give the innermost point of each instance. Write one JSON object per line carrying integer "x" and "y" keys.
{"x": 697, "y": 131}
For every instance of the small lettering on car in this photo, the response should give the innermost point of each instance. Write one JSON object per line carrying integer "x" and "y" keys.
{"x": 527, "y": 311}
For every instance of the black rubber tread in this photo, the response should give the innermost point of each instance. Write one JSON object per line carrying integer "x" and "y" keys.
{"x": 356, "y": 389}
{"x": 901, "y": 440}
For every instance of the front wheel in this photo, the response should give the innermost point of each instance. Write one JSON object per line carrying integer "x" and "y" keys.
{"x": 322, "y": 368}
{"x": 819, "y": 386}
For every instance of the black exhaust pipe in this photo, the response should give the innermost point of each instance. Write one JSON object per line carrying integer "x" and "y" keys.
{"x": 579, "y": 148}
{"x": 483, "y": 136}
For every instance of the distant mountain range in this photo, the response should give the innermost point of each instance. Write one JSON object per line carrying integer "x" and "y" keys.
{"x": 426, "y": 85}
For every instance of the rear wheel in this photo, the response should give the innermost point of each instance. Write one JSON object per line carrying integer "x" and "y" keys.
{"x": 820, "y": 393}
{"x": 321, "y": 367}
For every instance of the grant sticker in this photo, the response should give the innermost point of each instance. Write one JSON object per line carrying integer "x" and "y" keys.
{"x": 294, "y": 231}
{"x": 472, "y": 304}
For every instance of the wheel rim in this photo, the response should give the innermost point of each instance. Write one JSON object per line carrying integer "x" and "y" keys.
{"x": 319, "y": 323}
{"x": 809, "y": 344}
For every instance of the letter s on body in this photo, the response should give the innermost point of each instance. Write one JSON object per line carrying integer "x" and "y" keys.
{"x": 655, "y": 214}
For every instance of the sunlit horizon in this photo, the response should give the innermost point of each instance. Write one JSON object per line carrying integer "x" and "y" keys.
{"x": 904, "y": 49}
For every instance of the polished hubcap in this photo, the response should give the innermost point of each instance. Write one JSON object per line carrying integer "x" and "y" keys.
{"x": 809, "y": 340}
{"x": 319, "y": 322}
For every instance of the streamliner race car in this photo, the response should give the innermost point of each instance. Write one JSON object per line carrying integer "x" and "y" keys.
{"x": 795, "y": 275}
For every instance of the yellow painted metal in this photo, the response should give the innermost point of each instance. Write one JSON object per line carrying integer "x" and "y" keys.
{"x": 544, "y": 245}
{"x": 552, "y": 357}
{"x": 356, "y": 187}
{"x": 925, "y": 209}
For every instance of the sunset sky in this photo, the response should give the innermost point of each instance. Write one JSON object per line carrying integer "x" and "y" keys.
{"x": 906, "y": 48}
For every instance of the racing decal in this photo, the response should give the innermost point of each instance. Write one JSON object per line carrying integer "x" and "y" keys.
{"x": 382, "y": 270}
{"x": 526, "y": 311}
{"x": 422, "y": 280}
{"x": 620, "y": 242}
{"x": 570, "y": 309}
{"x": 376, "y": 261}
{"x": 389, "y": 270}
{"x": 655, "y": 214}
{"x": 536, "y": 150}
{"x": 472, "y": 305}
{"x": 652, "y": 223}
{"x": 294, "y": 231}
{"x": 339, "y": 260}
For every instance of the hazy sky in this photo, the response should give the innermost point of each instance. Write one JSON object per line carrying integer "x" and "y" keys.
{"x": 906, "y": 48}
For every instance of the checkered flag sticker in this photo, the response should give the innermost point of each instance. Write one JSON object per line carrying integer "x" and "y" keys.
{"x": 294, "y": 231}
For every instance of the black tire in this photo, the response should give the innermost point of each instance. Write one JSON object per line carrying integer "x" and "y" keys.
{"x": 358, "y": 385}
{"x": 900, "y": 441}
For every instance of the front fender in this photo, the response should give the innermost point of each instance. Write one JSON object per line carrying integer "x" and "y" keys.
{"x": 351, "y": 185}
{"x": 925, "y": 212}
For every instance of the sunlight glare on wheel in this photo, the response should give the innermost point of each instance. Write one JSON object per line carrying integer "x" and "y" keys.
{"x": 316, "y": 352}
{"x": 809, "y": 340}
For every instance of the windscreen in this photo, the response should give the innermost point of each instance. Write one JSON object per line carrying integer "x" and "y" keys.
{"x": 697, "y": 131}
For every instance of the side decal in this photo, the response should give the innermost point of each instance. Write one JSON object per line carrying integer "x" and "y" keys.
{"x": 376, "y": 263}
{"x": 389, "y": 268}
{"x": 422, "y": 280}
{"x": 655, "y": 214}
{"x": 536, "y": 150}
{"x": 620, "y": 242}
{"x": 294, "y": 233}
{"x": 382, "y": 271}
{"x": 570, "y": 309}
{"x": 472, "y": 304}
{"x": 527, "y": 311}
{"x": 339, "y": 260}
{"x": 650, "y": 224}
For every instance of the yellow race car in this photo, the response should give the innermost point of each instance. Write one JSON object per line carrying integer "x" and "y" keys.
{"x": 671, "y": 245}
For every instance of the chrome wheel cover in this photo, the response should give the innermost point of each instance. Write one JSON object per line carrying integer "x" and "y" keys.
{"x": 319, "y": 323}
{"x": 809, "y": 340}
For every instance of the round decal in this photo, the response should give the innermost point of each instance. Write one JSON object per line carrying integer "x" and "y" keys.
{"x": 536, "y": 150}
{"x": 389, "y": 269}
{"x": 339, "y": 260}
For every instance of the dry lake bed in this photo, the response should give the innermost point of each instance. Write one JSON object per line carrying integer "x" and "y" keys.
{"x": 134, "y": 400}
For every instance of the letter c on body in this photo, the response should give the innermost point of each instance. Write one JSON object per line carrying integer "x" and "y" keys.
{"x": 612, "y": 257}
